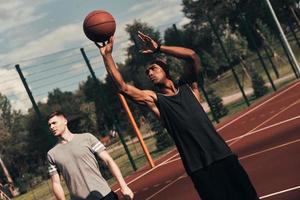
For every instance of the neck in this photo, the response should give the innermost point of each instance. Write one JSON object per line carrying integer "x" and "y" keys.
{"x": 167, "y": 87}
{"x": 66, "y": 137}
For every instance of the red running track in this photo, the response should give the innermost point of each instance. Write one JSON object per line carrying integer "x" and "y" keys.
{"x": 265, "y": 136}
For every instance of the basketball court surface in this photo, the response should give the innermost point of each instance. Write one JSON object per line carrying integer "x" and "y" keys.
{"x": 265, "y": 136}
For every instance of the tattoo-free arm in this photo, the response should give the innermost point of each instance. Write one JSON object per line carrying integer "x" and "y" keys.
{"x": 57, "y": 187}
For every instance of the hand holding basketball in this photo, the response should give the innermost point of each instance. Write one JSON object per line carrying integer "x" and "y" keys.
{"x": 106, "y": 48}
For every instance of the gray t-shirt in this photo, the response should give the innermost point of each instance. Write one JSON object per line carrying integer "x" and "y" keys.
{"x": 77, "y": 163}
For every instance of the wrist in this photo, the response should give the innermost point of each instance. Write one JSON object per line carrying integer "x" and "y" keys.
{"x": 107, "y": 55}
{"x": 123, "y": 185}
{"x": 157, "y": 48}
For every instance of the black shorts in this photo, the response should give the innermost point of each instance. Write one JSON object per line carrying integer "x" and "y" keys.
{"x": 224, "y": 180}
{"x": 111, "y": 196}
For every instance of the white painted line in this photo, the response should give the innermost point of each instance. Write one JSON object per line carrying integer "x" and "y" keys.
{"x": 152, "y": 169}
{"x": 172, "y": 160}
{"x": 260, "y": 105}
{"x": 279, "y": 192}
{"x": 269, "y": 149}
{"x": 269, "y": 119}
{"x": 276, "y": 124}
{"x": 273, "y": 125}
{"x": 229, "y": 123}
{"x": 154, "y": 194}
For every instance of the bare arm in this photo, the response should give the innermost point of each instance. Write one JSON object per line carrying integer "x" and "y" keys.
{"x": 192, "y": 68}
{"x": 57, "y": 188}
{"x": 143, "y": 97}
{"x": 114, "y": 169}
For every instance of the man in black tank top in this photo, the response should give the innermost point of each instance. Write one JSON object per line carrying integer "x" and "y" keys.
{"x": 213, "y": 168}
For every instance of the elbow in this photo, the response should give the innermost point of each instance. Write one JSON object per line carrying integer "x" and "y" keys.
{"x": 193, "y": 55}
{"x": 123, "y": 88}
{"x": 196, "y": 60}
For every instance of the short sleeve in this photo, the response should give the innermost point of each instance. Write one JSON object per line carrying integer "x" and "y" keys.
{"x": 95, "y": 144}
{"x": 52, "y": 169}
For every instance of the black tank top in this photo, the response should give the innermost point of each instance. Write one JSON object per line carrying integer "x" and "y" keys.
{"x": 196, "y": 139}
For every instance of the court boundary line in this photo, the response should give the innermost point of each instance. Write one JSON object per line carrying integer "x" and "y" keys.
{"x": 227, "y": 124}
{"x": 262, "y": 129}
{"x": 258, "y": 106}
{"x": 166, "y": 186}
{"x": 241, "y": 158}
{"x": 269, "y": 149}
{"x": 256, "y": 153}
{"x": 237, "y": 139}
{"x": 268, "y": 127}
{"x": 150, "y": 170}
{"x": 280, "y": 192}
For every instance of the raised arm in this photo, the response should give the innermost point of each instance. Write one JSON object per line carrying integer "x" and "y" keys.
{"x": 143, "y": 97}
{"x": 193, "y": 61}
{"x": 57, "y": 188}
{"x": 114, "y": 169}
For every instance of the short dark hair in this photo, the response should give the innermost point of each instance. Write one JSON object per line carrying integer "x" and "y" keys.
{"x": 56, "y": 113}
{"x": 162, "y": 64}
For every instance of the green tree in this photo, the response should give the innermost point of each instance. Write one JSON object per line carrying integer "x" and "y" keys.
{"x": 258, "y": 84}
{"x": 216, "y": 103}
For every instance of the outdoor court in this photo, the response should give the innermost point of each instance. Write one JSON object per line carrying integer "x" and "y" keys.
{"x": 265, "y": 136}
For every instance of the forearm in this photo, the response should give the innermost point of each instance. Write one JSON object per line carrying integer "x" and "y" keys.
{"x": 58, "y": 191}
{"x": 114, "y": 72}
{"x": 114, "y": 169}
{"x": 179, "y": 52}
{"x": 184, "y": 53}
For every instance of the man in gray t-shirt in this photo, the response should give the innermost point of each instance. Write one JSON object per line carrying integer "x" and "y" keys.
{"x": 74, "y": 157}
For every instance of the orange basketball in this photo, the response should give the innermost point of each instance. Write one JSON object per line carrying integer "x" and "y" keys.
{"x": 99, "y": 25}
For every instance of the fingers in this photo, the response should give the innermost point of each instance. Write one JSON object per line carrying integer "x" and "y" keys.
{"x": 112, "y": 39}
{"x": 146, "y": 51}
{"x": 104, "y": 43}
{"x": 143, "y": 37}
{"x": 128, "y": 197}
{"x": 100, "y": 45}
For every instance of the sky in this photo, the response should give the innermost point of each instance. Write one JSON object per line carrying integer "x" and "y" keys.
{"x": 44, "y": 37}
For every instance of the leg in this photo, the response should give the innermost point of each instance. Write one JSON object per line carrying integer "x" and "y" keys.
{"x": 224, "y": 180}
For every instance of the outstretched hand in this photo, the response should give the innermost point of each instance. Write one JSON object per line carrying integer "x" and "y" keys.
{"x": 106, "y": 48}
{"x": 150, "y": 44}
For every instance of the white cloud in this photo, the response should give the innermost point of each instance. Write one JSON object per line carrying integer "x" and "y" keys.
{"x": 14, "y": 13}
{"x": 183, "y": 21}
{"x": 52, "y": 42}
{"x": 13, "y": 88}
{"x": 141, "y": 6}
{"x": 155, "y": 13}
{"x": 78, "y": 67}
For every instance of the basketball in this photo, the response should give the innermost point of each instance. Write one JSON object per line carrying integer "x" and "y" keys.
{"x": 99, "y": 25}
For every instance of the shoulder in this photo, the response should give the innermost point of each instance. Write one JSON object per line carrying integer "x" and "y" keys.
{"x": 149, "y": 97}
{"x": 84, "y": 135}
{"x": 52, "y": 151}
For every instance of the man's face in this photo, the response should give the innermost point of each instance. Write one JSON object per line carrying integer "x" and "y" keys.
{"x": 57, "y": 125}
{"x": 155, "y": 73}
